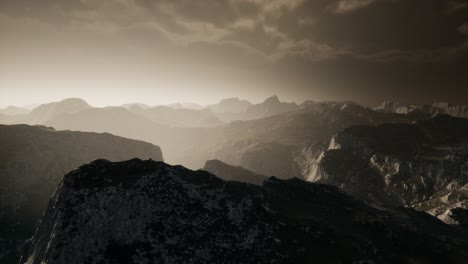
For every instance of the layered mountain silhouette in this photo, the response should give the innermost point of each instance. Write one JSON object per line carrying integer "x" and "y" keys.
{"x": 149, "y": 212}
{"x": 46, "y": 112}
{"x": 186, "y": 105}
{"x": 33, "y": 160}
{"x": 181, "y": 117}
{"x": 284, "y": 140}
{"x": 14, "y": 111}
{"x": 422, "y": 165}
{"x": 270, "y": 107}
{"x": 230, "y": 105}
{"x": 128, "y": 106}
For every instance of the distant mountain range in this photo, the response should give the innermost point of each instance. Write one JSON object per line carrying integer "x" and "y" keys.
{"x": 14, "y": 111}
{"x": 233, "y": 173}
{"x": 33, "y": 160}
{"x": 270, "y": 138}
{"x": 436, "y": 108}
{"x": 150, "y": 212}
{"x": 230, "y": 105}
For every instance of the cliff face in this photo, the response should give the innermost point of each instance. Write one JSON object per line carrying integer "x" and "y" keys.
{"x": 422, "y": 165}
{"x": 33, "y": 161}
{"x": 150, "y": 212}
{"x": 290, "y": 144}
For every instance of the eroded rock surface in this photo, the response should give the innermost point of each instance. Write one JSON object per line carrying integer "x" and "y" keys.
{"x": 150, "y": 212}
{"x": 421, "y": 165}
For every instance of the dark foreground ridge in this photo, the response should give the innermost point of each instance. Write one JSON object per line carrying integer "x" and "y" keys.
{"x": 33, "y": 160}
{"x": 150, "y": 212}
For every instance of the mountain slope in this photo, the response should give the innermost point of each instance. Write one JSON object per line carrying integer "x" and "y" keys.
{"x": 232, "y": 173}
{"x": 32, "y": 163}
{"x": 230, "y": 105}
{"x": 289, "y": 144}
{"x": 270, "y": 107}
{"x": 182, "y": 145}
{"x": 422, "y": 165}
{"x": 178, "y": 117}
{"x": 149, "y": 212}
{"x": 45, "y": 112}
{"x": 13, "y": 110}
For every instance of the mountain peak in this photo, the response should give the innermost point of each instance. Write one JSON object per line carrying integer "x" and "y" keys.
{"x": 272, "y": 100}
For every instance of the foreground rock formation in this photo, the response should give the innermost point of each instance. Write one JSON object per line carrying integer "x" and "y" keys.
{"x": 150, "y": 212}
{"x": 422, "y": 165}
{"x": 33, "y": 161}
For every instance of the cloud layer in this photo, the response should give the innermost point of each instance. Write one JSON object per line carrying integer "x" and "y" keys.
{"x": 268, "y": 44}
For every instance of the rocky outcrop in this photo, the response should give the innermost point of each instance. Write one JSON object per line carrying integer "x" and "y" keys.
{"x": 436, "y": 108}
{"x": 33, "y": 161}
{"x": 420, "y": 165}
{"x": 233, "y": 173}
{"x": 290, "y": 144}
{"x": 150, "y": 212}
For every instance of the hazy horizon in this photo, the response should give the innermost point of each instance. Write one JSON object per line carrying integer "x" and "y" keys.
{"x": 160, "y": 52}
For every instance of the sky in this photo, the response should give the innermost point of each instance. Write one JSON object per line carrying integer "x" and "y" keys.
{"x": 111, "y": 52}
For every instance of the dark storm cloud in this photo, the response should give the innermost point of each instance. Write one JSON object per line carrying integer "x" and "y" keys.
{"x": 315, "y": 46}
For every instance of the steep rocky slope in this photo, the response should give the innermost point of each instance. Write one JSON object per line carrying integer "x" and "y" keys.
{"x": 422, "y": 165}
{"x": 32, "y": 163}
{"x": 290, "y": 144}
{"x": 149, "y": 212}
{"x": 233, "y": 173}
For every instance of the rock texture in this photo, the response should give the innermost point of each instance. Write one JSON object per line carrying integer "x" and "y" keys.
{"x": 290, "y": 144}
{"x": 149, "y": 212}
{"x": 421, "y": 165}
{"x": 233, "y": 173}
{"x": 436, "y": 108}
{"x": 33, "y": 161}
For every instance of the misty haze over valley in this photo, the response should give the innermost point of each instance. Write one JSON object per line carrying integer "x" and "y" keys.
{"x": 233, "y": 131}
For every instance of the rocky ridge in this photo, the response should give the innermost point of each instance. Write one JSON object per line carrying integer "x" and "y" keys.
{"x": 33, "y": 160}
{"x": 150, "y": 212}
{"x": 422, "y": 165}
